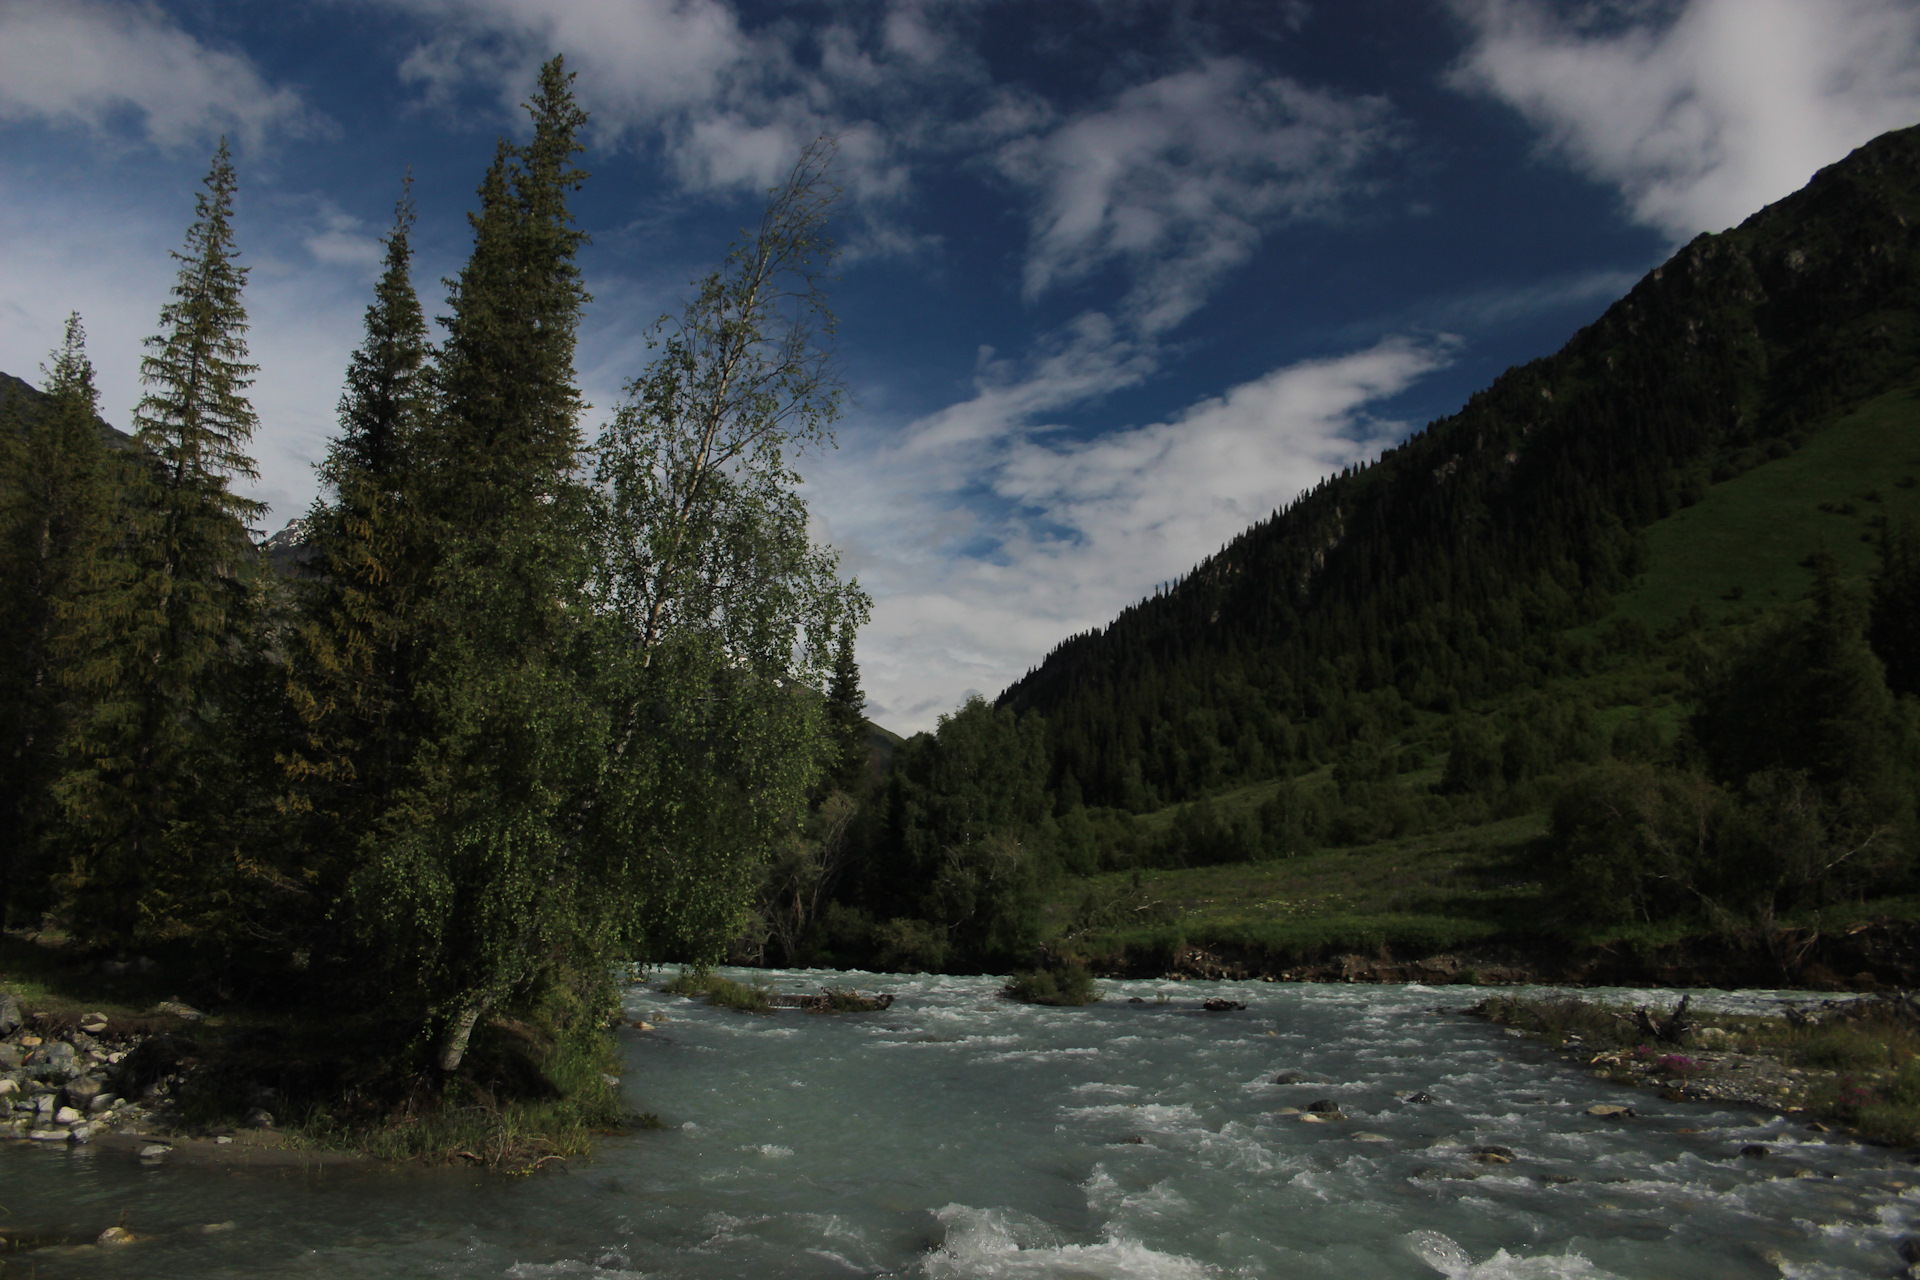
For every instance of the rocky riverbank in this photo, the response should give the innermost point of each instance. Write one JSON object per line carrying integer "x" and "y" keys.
{"x": 112, "y": 1081}
{"x": 1849, "y": 1064}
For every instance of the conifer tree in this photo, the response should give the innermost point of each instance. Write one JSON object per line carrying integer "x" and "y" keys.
{"x": 470, "y": 890}
{"x": 846, "y": 710}
{"x": 54, "y": 511}
{"x": 155, "y": 637}
{"x": 352, "y": 650}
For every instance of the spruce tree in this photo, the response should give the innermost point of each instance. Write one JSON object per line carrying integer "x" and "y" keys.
{"x": 846, "y": 710}
{"x": 54, "y": 510}
{"x": 154, "y": 640}
{"x": 351, "y": 652}
{"x": 470, "y": 890}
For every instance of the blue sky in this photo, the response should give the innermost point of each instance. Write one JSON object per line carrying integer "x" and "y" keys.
{"x": 1119, "y": 278}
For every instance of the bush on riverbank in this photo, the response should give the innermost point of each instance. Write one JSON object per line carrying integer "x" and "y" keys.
{"x": 1069, "y": 984}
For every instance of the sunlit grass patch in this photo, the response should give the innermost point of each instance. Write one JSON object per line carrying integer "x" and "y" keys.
{"x": 721, "y": 992}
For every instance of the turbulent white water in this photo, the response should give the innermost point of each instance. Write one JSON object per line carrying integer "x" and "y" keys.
{"x": 960, "y": 1137}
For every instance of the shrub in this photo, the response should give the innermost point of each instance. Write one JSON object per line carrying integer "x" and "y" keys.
{"x": 722, "y": 993}
{"x": 1070, "y": 984}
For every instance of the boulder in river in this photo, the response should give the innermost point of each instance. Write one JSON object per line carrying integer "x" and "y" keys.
{"x": 1220, "y": 1004}
{"x": 1754, "y": 1151}
{"x": 1609, "y": 1111}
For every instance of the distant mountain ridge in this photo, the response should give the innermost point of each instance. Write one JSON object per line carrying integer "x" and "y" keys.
{"x": 31, "y": 397}
{"x": 1450, "y": 569}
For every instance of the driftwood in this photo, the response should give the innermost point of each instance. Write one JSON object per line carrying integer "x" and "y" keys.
{"x": 1670, "y": 1030}
{"x": 833, "y": 1002}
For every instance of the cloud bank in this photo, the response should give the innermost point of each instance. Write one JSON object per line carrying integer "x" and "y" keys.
{"x": 111, "y": 68}
{"x": 1705, "y": 116}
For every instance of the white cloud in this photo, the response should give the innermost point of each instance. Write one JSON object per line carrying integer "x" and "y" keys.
{"x": 1704, "y": 117}
{"x": 732, "y": 108}
{"x": 985, "y": 548}
{"x": 1178, "y": 178}
{"x": 98, "y": 65}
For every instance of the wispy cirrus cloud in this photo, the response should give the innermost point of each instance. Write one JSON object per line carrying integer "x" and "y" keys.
{"x": 1698, "y": 112}
{"x": 128, "y": 68}
{"x": 1177, "y": 179}
{"x": 985, "y": 547}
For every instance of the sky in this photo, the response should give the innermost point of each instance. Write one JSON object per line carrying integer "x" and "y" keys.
{"x": 1118, "y": 278}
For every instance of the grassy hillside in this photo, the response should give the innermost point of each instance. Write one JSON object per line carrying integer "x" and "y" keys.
{"x": 1746, "y": 542}
{"x": 1712, "y": 569}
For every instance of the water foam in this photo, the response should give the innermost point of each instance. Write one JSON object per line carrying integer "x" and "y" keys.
{"x": 1450, "y": 1260}
{"x": 998, "y": 1244}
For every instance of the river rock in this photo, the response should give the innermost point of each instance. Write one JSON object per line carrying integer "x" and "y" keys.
{"x": 8, "y": 1085}
{"x": 9, "y": 1013}
{"x": 102, "y": 1102}
{"x": 11, "y": 1056}
{"x": 154, "y": 1150}
{"x": 46, "y": 1135}
{"x": 1418, "y": 1099}
{"x": 56, "y": 1053}
{"x": 179, "y": 1010}
{"x": 1754, "y": 1151}
{"x": 114, "y": 1237}
{"x": 1323, "y": 1105}
{"x": 1609, "y": 1111}
{"x": 67, "y": 1116}
{"x": 82, "y": 1090}
{"x": 258, "y": 1118}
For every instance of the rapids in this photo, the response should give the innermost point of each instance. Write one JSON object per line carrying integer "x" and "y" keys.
{"x": 957, "y": 1135}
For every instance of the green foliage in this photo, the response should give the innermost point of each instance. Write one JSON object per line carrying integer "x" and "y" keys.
{"x": 163, "y": 631}
{"x": 722, "y": 993}
{"x": 716, "y": 615}
{"x": 1066, "y": 984}
{"x": 55, "y": 507}
{"x": 846, "y": 714}
{"x": 352, "y": 652}
{"x": 470, "y": 882}
{"x": 962, "y": 848}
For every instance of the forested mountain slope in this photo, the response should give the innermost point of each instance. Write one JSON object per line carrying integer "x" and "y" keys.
{"x": 1451, "y": 569}
{"x": 24, "y": 397}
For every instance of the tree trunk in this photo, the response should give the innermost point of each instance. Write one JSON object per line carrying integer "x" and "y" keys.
{"x": 453, "y": 1043}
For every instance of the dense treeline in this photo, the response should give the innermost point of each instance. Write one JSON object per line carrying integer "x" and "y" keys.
{"x": 528, "y": 703}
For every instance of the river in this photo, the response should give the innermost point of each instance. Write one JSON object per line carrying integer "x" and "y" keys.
{"x": 959, "y": 1135}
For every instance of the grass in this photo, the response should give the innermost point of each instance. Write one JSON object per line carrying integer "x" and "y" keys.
{"x": 1744, "y": 544}
{"x": 1428, "y": 892}
{"x": 722, "y": 993}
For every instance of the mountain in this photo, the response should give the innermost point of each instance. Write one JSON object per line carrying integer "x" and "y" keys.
{"x": 1464, "y": 563}
{"x": 31, "y": 397}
